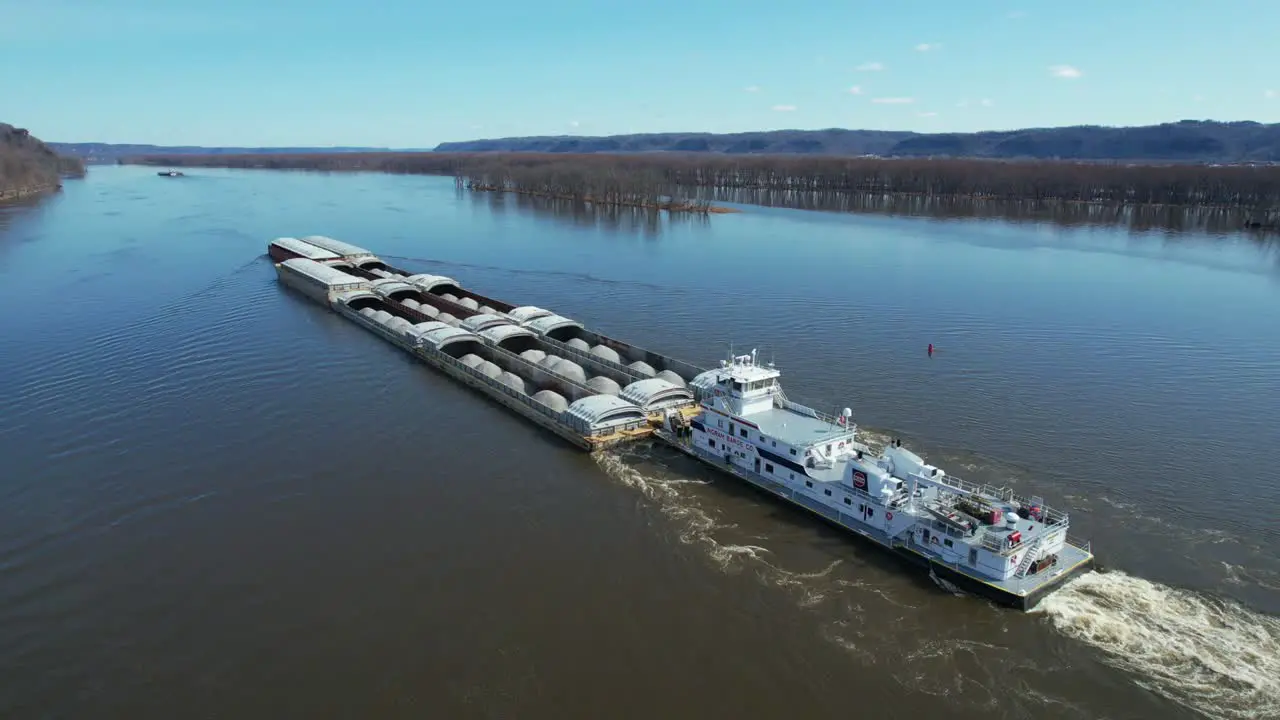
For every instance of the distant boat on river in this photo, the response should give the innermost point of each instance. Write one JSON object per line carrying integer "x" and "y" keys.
{"x": 169, "y": 173}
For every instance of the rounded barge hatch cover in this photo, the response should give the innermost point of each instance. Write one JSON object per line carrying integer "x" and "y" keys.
{"x": 478, "y": 323}
{"x": 655, "y": 393}
{"x": 603, "y": 412}
{"x": 431, "y": 282}
{"x": 525, "y": 313}
{"x": 551, "y": 323}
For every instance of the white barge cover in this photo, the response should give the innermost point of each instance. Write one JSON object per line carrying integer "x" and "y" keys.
{"x": 305, "y": 249}
{"x": 653, "y": 393}
{"x": 599, "y": 412}
{"x": 431, "y": 282}
{"x": 330, "y": 277}
{"x": 525, "y": 313}
{"x": 346, "y": 250}
{"x": 546, "y": 323}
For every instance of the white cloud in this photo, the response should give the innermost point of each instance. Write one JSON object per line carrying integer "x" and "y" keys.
{"x": 963, "y": 103}
{"x": 1016, "y": 15}
{"x": 986, "y": 102}
{"x": 855, "y": 90}
{"x": 573, "y": 123}
{"x": 1065, "y": 71}
{"x": 927, "y": 114}
{"x": 926, "y": 47}
{"x": 1197, "y": 98}
{"x": 1269, "y": 94}
{"x": 893, "y": 100}
{"x": 476, "y": 127}
{"x": 784, "y": 108}
{"x": 752, "y": 88}
{"x": 870, "y": 67}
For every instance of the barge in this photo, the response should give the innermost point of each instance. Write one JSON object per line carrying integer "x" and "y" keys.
{"x": 595, "y": 391}
{"x": 552, "y": 397}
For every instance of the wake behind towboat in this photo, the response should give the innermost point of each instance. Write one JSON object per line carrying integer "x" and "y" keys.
{"x": 982, "y": 539}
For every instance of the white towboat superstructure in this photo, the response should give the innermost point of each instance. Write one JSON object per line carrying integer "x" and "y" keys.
{"x": 982, "y": 539}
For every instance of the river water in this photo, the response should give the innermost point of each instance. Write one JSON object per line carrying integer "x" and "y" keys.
{"x": 219, "y": 500}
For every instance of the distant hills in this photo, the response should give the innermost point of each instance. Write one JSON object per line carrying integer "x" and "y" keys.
{"x": 29, "y": 166}
{"x": 99, "y": 153}
{"x": 1185, "y": 141}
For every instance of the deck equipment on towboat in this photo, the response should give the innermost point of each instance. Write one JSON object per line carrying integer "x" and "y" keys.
{"x": 983, "y": 539}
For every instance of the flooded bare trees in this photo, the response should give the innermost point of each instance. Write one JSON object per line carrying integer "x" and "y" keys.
{"x": 653, "y": 179}
{"x": 572, "y": 178}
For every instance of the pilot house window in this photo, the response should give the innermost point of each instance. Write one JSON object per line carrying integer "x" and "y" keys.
{"x": 743, "y": 432}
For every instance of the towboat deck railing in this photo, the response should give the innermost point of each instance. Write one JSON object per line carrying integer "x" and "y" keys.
{"x": 1000, "y": 494}
{"x": 783, "y": 402}
{"x": 948, "y": 503}
{"x": 998, "y": 543}
{"x": 1084, "y": 545}
{"x": 1003, "y": 494}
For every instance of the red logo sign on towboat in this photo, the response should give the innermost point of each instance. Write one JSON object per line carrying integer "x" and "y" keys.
{"x": 859, "y": 479}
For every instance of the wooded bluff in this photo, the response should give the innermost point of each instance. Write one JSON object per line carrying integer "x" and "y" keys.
{"x": 29, "y": 166}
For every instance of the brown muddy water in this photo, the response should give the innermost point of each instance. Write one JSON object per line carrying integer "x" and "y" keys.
{"x": 219, "y": 500}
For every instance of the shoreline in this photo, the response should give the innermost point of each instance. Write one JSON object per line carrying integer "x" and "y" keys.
{"x": 11, "y": 194}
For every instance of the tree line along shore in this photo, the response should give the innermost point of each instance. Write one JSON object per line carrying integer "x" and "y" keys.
{"x": 649, "y": 180}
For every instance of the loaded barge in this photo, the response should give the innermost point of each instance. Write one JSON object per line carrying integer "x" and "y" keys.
{"x": 591, "y": 402}
{"x": 596, "y": 391}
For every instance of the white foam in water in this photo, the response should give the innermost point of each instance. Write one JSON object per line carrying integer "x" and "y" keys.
{"x": 945, "y": 585}
{"x": 1217, "y": 657}
{"x": 699, "y": 526}
{"x": 665, "y": 492}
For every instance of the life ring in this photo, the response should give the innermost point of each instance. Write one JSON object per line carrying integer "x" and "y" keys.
{"x": 888, "y": 515}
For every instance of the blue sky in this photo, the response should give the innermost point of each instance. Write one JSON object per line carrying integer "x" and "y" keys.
{"x": 411, "y": 74}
